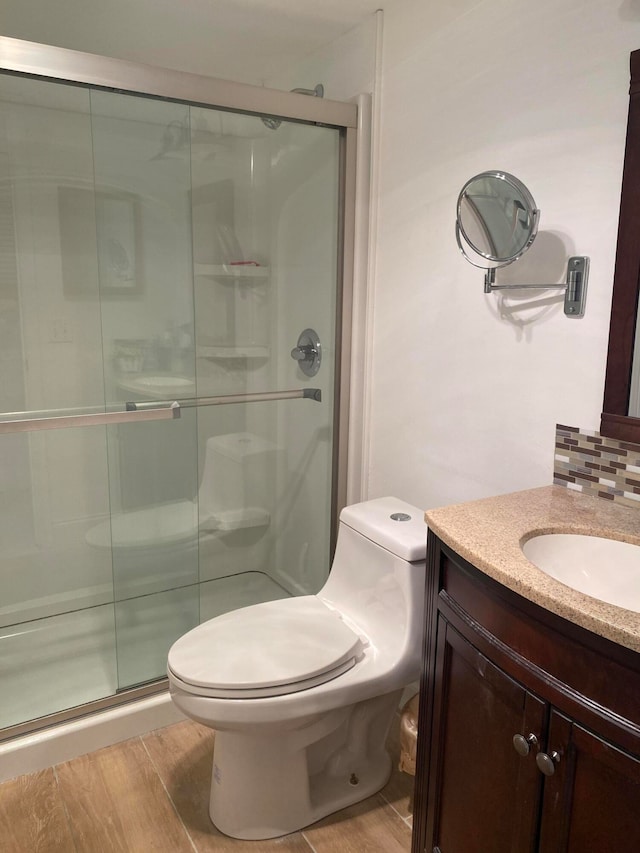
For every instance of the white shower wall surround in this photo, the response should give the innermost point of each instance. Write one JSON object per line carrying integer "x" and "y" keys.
{"x": 156, "y": 251}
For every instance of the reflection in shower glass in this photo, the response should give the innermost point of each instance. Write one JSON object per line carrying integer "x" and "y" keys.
{"x": 153, "y": 251}
{"x": 57, "y": 640}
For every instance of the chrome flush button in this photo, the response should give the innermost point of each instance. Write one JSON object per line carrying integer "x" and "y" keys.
{"x": 400, "y": 516}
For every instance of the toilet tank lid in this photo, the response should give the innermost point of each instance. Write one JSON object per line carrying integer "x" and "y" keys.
{"x": 404, "y": 537}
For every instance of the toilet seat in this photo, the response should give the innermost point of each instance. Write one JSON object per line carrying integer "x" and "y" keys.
{"x": 267, "y": 649}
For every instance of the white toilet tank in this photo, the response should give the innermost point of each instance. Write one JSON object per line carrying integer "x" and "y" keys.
{"x": 395, "y": 525}
{"x": 378, "y": 574}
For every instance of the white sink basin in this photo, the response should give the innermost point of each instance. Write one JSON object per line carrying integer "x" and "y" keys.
{"x": 602, "y": 568}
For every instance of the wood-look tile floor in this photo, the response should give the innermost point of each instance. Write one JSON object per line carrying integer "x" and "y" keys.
{"x": 151, "y": 793}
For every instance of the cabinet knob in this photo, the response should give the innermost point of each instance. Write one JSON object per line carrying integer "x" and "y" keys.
{"x": 547, "y": 763}
{"x": 522, "y": 744}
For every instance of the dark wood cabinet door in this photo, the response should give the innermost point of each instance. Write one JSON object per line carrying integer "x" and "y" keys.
{"x": 484, "y": 796}
{"x": 592, "y": 800}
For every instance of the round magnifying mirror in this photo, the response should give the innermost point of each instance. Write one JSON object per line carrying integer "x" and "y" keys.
{"x": 497, "y": 217}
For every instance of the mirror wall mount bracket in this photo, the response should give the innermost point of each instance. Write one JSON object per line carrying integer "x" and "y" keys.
{"x": 575, "y": 286}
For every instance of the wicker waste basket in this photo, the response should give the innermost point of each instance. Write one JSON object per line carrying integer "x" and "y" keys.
{"x": 409, "y": 736}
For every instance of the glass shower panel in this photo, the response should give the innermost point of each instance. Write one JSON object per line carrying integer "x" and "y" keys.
{"x": 56, "y": 617}
{"x": 305, "y": 227}
{"x": 152, "y": 251}
{"x": 143, "y": 179}
{"x": 265, "y": 213}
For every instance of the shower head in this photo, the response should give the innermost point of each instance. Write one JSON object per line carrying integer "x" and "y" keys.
{"x": 175, "y": 139}
{"x": 271, "y": 123}
{"x": 316, "y": 92}
{"x": 182, "y": 138}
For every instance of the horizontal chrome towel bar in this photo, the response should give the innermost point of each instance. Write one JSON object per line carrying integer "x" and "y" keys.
{"x": 155, "y": 410}
{"x": 226, "y": 399}
{"x": 167, "y": 412}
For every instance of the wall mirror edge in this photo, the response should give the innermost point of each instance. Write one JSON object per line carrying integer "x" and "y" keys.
{"x": 615, "y": 420}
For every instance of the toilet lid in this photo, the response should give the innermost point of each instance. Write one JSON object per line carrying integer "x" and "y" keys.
{"x": 266, "y": 646}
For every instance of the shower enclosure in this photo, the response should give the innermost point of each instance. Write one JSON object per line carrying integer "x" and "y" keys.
{"x": 163, "y": 457}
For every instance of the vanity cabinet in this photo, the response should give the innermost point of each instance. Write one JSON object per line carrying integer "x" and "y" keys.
{"x": 529, "y": 729}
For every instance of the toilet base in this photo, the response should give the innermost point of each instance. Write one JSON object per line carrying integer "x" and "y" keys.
{"x": 271, "y": 785}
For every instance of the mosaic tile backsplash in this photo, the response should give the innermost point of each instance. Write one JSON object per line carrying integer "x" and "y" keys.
{"x": 590, "y": 462}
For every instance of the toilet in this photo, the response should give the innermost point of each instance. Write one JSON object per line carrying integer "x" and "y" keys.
{"x": 301, "y": 691}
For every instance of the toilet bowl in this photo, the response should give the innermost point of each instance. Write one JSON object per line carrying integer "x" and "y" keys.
{"x": 302, "y": 691}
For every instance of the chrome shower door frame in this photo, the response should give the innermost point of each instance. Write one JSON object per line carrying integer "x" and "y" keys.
{"x": 47, "y": 62}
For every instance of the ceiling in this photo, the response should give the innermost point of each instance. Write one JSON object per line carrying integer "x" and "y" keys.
{"x": 245, "y": 40}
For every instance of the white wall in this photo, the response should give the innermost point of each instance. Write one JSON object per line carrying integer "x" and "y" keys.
{"x": 248, "y": 41}
{"x": 345, "y": 66}
{"x": 465, "y": 392}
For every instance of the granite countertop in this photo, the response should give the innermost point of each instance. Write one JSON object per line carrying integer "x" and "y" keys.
{"x": 489, "y": 532}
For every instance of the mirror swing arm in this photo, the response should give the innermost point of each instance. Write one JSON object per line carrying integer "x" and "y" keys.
{"x": 497, "y": 219}
{"x": 575, "y": 286}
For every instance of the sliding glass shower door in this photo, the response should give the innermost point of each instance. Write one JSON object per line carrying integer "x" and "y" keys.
{"x": 151, "y": 252}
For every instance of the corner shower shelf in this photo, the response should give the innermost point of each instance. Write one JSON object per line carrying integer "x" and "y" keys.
{"x": 231, "y": 271}
{"x": 228, "y": 352}
{"x": 229, "y": 520}
{"x": 158, "y": 386}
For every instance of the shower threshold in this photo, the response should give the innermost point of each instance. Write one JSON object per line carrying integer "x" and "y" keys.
{"x": 36, "y": 687}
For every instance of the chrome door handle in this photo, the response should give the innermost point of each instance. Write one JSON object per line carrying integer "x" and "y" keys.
{"x": 64, "y": 419}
